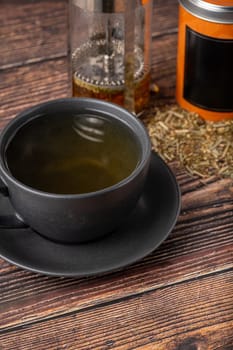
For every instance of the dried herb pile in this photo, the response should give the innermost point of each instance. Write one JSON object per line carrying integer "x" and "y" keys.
{"x": 204, "y": 148}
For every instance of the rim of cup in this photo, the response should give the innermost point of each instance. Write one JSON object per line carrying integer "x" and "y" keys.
{"x": 122, "y": 115}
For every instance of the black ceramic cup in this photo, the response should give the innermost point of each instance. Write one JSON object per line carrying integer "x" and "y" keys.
{"x": 71, "y": 217}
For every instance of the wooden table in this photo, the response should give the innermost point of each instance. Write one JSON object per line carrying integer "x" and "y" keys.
{"x": 180, "y": 297}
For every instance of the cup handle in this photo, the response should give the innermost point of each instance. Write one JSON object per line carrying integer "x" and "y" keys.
{"x": 9, "y": 221}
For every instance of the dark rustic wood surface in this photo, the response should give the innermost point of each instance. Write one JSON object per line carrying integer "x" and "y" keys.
{"x": 180, "y": 297}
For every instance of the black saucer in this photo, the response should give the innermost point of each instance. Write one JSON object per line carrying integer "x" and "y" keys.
{"x": 146, "y": 228}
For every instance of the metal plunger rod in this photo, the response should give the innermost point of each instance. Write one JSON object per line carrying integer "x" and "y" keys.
{"x": 129, "y": 92}
{"x": 108, "y": 6}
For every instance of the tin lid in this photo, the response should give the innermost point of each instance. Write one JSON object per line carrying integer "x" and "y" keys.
{"x": 210, "y": 10}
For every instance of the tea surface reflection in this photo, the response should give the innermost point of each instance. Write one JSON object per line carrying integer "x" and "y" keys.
{"x": 72, "y": 154}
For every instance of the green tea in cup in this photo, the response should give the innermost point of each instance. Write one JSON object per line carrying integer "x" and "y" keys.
{"x": 72, "y": 153}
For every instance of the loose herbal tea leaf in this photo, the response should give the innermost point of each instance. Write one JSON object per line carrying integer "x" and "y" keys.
{"x": 204, "y": 148}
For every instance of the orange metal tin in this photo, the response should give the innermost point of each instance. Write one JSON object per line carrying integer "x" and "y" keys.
{"x": 209, "y": 27}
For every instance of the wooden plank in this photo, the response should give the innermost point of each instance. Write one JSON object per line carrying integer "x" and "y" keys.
{"x": 201, "y": 243}
{"x": 165, "y": 17}
{"x": 24, "y": 86}
{"x": 32, "y": 31}
{"x": 34, "y": 81}
{"x": 164, "y": 68}
{"x": 218, "y": 337}
{"x": 194, "y": 315}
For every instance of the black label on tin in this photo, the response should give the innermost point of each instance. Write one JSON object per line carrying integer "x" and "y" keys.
{"x": 208, "y": 76}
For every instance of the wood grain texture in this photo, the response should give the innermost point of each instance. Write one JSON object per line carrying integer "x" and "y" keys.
{"x": 32, "y": 31}
{"x": 200, "y": 244}
{"x": 177, "y": 317}
{"x": 32, "y": 76}
{"x": 25, "y": 86}
{"x": 178, "y": 298}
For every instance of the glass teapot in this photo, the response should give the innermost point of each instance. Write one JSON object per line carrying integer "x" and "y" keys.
{"x": 110, "y": 45}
